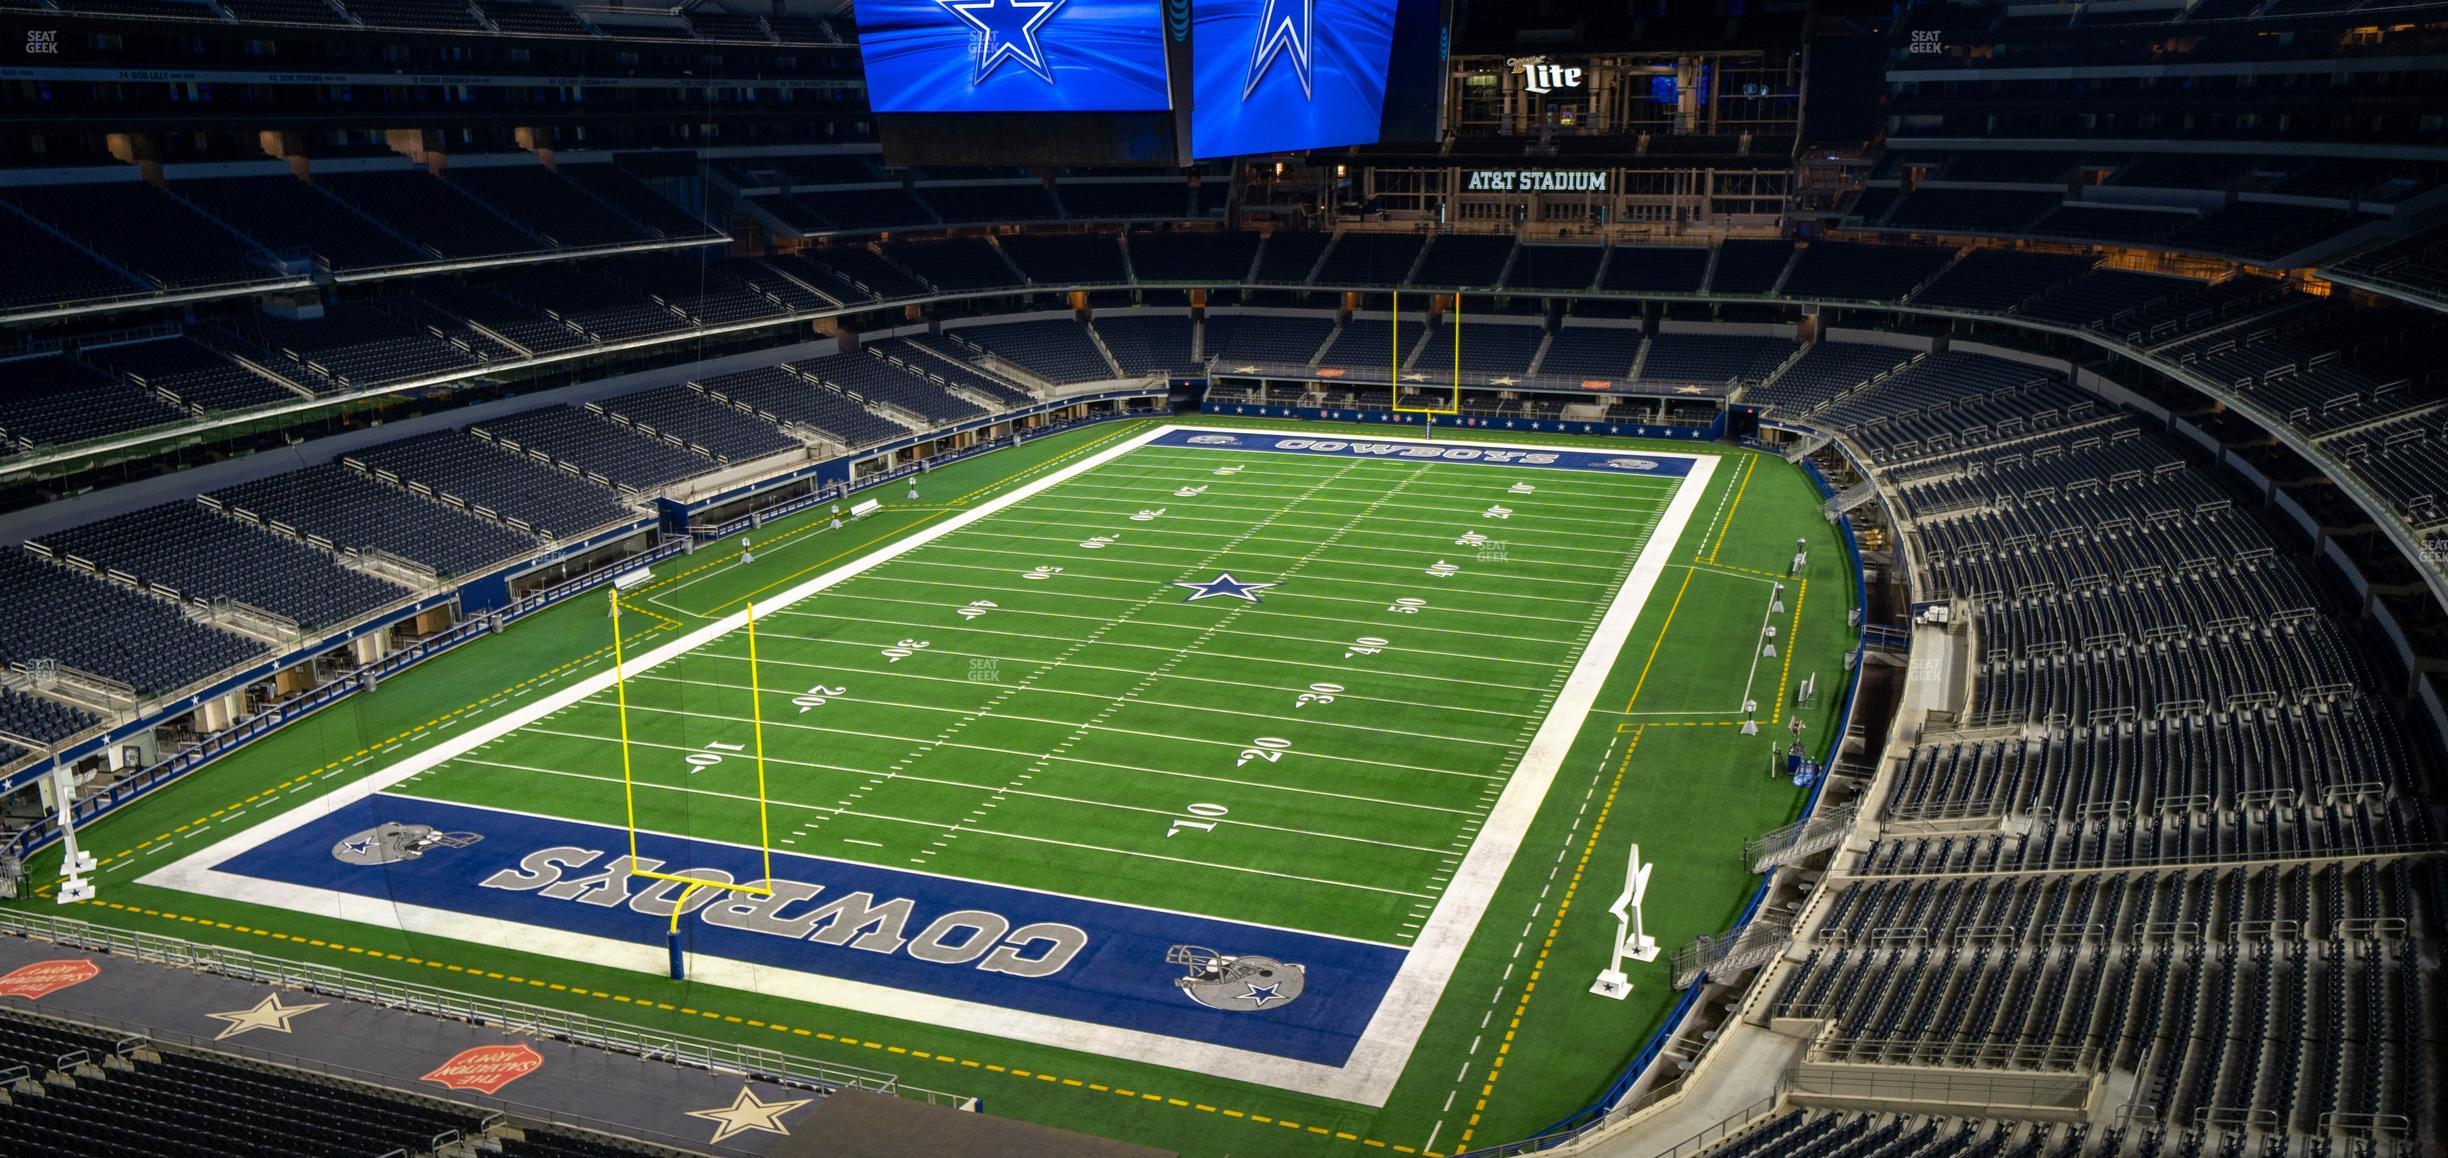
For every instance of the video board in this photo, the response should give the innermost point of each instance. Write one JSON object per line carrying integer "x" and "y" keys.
{"x": 1275, "y": 75}
{"x": 1014, "y": 56}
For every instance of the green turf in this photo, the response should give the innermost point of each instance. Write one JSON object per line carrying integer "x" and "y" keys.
{"x": 1689, "y": 793}
{"x": 1082, "y": 731}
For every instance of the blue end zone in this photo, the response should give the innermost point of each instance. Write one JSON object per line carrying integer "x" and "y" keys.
{"x": 1118, "y": 976}
{"x": 1606, "y": 462}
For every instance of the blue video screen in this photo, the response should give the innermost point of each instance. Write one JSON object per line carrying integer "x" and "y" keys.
{"x": 1013, "y": 56}
{"x": 1269, "y": 76}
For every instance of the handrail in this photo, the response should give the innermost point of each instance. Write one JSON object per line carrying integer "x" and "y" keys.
{"x": 512, "y": 1016}
{"x": 42, "y": 832}
{"x": 2432, "y": 564}
{"x": 498, "y": 1108}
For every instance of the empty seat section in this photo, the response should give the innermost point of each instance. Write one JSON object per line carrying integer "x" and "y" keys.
{"x": 784, "y": 397}
{"x": 351, "y": 510}
{"x": 110, "y": 629}
{"x": 204, "y": 555}
{"x": 678, "y": 412}
{"x": 459, "y": 468}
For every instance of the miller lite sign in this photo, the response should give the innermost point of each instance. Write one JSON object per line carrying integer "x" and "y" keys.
{"x": 1540, "y": 77}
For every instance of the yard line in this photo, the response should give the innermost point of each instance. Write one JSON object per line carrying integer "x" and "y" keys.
{"x": 1767, "y": 613}
{"x": 1234, "y": 745}
{"x": 973, "y": 588}
{"x": 1203, "y": 459}
{"x": 1034, "y": 515}
{"x": 1713, "y": 569}
{"x": 1378, "y": 601}
{"x": 1160, "y": 813}
{"x": 1563, "y": 526}
{"x": 1144, "y": 647}
{"x": 1548, "y": 487}
{"x": 1702, "y": 712}
{"x": 871, "y": 645}
{"x": 991, "y": 832}
{"x": 1262, "y": 609}
{"x": 1071, "y": 574}
{"x": 1175, "y": 657}
{"x": 1485, "y": 493}
{"x": 1446, "y": 544}
{"x": 1307, "y": 721}
{"x": 710, "y": 653}
{"x": 1273, "y": 786}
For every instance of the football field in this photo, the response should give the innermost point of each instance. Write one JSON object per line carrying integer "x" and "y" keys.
{"x": 1042, "y": 768}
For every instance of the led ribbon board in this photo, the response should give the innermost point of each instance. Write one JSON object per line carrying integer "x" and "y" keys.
{"x": 1013, "y": 56}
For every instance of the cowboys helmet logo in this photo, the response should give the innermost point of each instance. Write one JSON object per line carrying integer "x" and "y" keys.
{"x": 392, "y": 842}
{"x": 1632, "y": 463}
{"x": 1245, "y": 982}
{"x": 1214, "y": 440}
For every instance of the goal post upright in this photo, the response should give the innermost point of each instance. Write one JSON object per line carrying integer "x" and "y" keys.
{"x": 1453, "y": 406}
{"x": 756, "y": 716}
{"x": 690, "y": 885}
{"x": 620, "y": 699}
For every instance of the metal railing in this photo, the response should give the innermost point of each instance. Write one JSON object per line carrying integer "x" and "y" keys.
{"x": 1816, "y": 833}
{"x": 1902, "y": 1087}
{"x": 1345, "y": 376}
{"x": 497, "y": 1108}
{"x": 1970, "y": 1055}
{"x": 44, "y": 830}
{"x": 1731, "y": 952}
{"x": 498, "y": 1013}
{"x": 2101, "y": 860}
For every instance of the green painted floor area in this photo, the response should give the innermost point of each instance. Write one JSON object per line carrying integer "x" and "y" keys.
{"x": 1391, "y": 774}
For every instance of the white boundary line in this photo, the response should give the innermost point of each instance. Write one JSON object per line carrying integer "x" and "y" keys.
{"x": 1377, "y": 1061}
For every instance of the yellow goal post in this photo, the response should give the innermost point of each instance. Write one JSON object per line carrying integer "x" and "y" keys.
{"x": 690, "y": 884}
{"x": 1453, "y": 405}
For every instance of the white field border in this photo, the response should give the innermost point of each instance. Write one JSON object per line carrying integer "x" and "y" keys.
{"x": 1385, "y": 1046}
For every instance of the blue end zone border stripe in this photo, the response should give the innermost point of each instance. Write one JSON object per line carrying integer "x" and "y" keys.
{"x": 1118, "y": 975}
{"x": 1602, "y": 462}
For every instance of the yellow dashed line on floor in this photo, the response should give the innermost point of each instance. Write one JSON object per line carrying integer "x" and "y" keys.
{"x": 340, "y": 763}
{"x": 625, "y": 999}
{"x": 1539, "y": 964}
{"x": 1728, "y": 525}
{"x": 582, "y": 991}
{"x": 1793, "y": 632}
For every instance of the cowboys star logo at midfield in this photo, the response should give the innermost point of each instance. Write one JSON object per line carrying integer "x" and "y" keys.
{"x": 1006, "y": 30}
{"x": 1283, "y": 31}
{"x": 1224, "y": 586}
{"x": 1246, "y": 982}
{"x": 392, "y": 842}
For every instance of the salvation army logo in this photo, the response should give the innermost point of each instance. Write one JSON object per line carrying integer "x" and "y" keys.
{"x": 486, "y": 1068}
{"x": 1632, "y": 463}
{"x": 44, "y": 978}
{"x": 1214, "y": 440}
